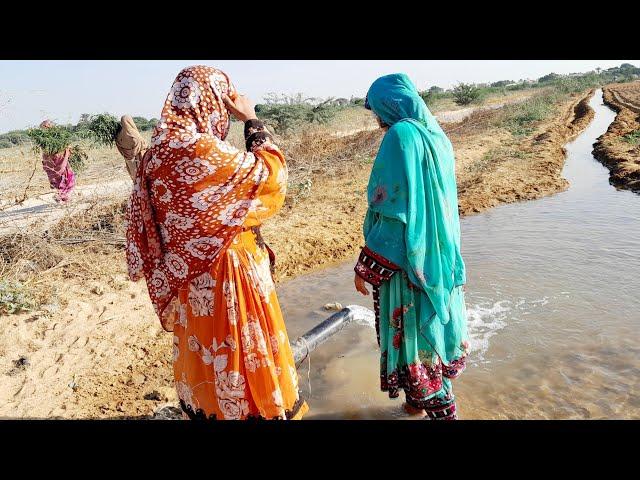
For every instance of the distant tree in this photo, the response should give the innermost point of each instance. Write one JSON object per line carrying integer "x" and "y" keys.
{"x": 465, "y": 93}
{"x": 548, "y": 78}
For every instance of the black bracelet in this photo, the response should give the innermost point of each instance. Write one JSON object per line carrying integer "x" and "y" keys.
{"x": 252, "y": 126}
{"x": 257, "y": 139}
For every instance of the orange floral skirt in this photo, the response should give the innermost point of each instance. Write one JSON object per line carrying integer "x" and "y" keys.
{"x": 231, "y": 355}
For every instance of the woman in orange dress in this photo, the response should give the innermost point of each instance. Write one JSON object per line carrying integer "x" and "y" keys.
{"x": 193, "y": 234}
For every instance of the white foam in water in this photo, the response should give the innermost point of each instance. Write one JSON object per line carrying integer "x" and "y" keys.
{"x": 363, "y": 316}
{"x": 483, "y": 321}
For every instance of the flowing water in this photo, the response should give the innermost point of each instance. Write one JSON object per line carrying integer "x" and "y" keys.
{"x": 553, "y": 297}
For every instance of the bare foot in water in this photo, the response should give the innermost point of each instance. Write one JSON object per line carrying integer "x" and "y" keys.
{"x": 418, "y": 412}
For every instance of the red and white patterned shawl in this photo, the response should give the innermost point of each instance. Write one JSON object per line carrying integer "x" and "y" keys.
{"x": 192, "y": 190}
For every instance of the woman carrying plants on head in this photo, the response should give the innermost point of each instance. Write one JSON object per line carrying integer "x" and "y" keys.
{"x": 412, "y": 253}
{"x": 193, "y": 234}
{"x": 55, "y": 162}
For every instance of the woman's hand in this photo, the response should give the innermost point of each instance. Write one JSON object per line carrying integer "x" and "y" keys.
{"x": 360, "y": 285}
{"x": 242, "y": 108}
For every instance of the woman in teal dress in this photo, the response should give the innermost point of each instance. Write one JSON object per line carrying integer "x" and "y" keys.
{"x": 412, "y": 253}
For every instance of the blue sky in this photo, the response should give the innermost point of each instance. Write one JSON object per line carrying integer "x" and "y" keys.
{"x": 63, "y": 90}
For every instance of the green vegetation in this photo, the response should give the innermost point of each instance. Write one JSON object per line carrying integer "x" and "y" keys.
{"x": 520, "y": 118}
{"x": 103, "y": 128}
{"x": 434, "y": 95}
{"x": 14, "y": 298}
{"x": 78, "y": 158}
{"x": 285, "y": 113}
{"x": 633, "y": 138}
{"x": 51, "y": 140}
{"x": 100, "y": 128}
{"x": 466, "y": 93}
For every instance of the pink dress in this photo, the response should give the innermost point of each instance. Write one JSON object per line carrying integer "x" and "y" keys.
{"x": 61, "y": 176}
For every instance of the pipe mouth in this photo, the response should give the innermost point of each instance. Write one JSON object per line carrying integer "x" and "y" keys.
{"x": 308, "y": 342}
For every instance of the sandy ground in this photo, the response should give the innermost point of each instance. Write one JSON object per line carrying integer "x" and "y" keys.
{"x": 97, "y": 350}
{"x": 621, "y": 157}
{"x": 43, "y": 211}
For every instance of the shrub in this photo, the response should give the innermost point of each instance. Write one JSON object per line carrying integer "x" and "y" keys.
{"x": 550, "y": 77}
{"x": 13, "y": 138}
{"x": 14, "y": 298}
{"x": 286, "y": 113}
{"x": 143, "y": 124}
{"x": 501, "y": 83}
{"x": 465, "y": 93}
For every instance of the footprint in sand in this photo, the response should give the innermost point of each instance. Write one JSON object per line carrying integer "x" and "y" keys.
{"x": 79, "y": 342}
{"x": 50, "y": 371}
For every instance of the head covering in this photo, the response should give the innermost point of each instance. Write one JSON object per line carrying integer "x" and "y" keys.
{"x": 130, "y": 144}
{"x": 192, "y": 190}
{"x": 413, "y": 181}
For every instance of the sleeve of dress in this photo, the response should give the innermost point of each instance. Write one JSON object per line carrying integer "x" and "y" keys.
{"x": 373, "y": 267}
{"x": 272, "y": 193}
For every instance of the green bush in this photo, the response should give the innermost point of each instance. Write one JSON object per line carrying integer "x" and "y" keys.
{"x": 287, "y": 113}
{"x": 466, "y": 93}
{"x": 13, "y": 138}
{"x": 143, "y": 124}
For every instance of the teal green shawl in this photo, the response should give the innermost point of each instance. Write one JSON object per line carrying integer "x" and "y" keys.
{"x": 413, "y": 183}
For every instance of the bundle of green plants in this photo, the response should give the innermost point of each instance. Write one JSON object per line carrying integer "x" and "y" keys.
{"x": 104, "y": 128}
{"x": 50, "y": 140}
{"x": 78, "y": 158}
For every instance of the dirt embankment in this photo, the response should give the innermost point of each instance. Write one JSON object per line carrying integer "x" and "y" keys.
{"x": 619, "y": 147}
{"x": 98, "y": 351}
{"x": 523, "y": 169}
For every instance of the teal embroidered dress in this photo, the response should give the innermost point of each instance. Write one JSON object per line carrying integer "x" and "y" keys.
{"x": 412, "y": 254}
